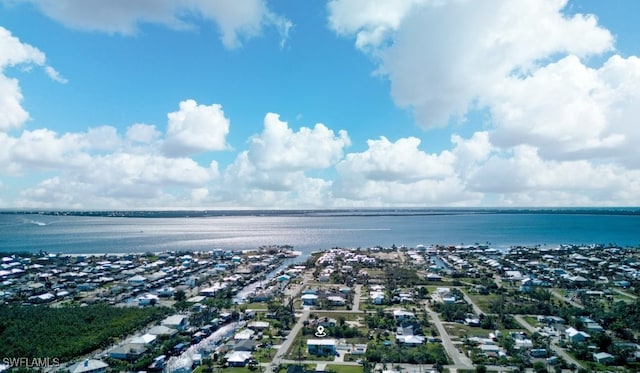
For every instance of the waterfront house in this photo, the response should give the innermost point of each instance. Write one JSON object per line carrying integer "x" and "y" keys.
{"x": 321, "y": 347}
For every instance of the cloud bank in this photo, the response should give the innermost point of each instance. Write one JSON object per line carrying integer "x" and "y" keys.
{"x": 560, "y": 130}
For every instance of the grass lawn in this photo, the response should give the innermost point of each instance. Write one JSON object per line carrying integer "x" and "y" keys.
{"x": 235, "y": 370}
{"x": 344, "y": 368}
{"x": 256, "y": 306}
{"x": 458, "y": 330}
{"x": 621, "y": 297}
{"x": 531, "y": 321}
{"x": 264, "y": 355}
{"x": 348, "y": 316}
{"x": 482, "y": 301}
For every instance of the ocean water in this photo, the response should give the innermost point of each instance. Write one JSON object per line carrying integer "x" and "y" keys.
{"x": 308, "y": 232}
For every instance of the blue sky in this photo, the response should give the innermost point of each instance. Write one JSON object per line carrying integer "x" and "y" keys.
{"x": 318, "y": 104}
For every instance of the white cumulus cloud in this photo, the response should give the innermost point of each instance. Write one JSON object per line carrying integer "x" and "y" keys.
{"x": 392, "y": 173}
{"x": 278, "y": 147}
{"x": 273, "y": 171}
{"x": 14, "y": 52}
{"x": 236, "y": 20}
{"x": 195, "y": 129}
{"x": 445, "y": 55}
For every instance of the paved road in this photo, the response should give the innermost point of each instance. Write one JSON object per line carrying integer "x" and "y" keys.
{"x": 557, "y": 349}
{"x": 286, "y": 344}
{"x": 477, "y": 310}
{"x": 559, "y": 296}
{"x": 624, "y": 293}
{"x": 356, "y": 297}
{"x": 460, "y": 361}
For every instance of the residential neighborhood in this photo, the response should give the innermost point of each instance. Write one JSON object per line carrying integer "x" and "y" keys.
{"x": 398, "y": 309}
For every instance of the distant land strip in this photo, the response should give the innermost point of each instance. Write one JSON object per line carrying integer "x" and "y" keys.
{"x": 335, "y": 212}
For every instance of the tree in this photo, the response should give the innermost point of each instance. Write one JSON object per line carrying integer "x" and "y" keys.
{"x": 253, "y": 364}
{"x": 180, "y": 296}
{"x": 539, "y": 367}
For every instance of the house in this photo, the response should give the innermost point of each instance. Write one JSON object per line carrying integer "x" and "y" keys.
{"x": 538, "y": 352}
{"x": 410, "y": 340}
{"x": 335, "y": 300}
{"x": 162, "y": 331}
{"x": 178, "y": 322}
{"x": 327, "y": 322}
{"x": 238, "y": 358}
{"x": 127, "y": 351}
{"x": 576, "y": 336}
{"x": 309, "y": 299}
{"x": 403, "y": 315}
{"x": 148, "y": 299}
{"x": 137, "y": 280}
{"x": 89, "y": 366}
{"x": 433, "y": 277}
{"x": 490, "y": 350}
{"x": 258, "y": 326}
{"x": 448, "y": 300}
{"x": 244, "y": 345}
{"x": 321, "y": 347}
{"x": 406, "y": 337}
{"x": 145, "y": 339}
{"x": 243, "y": 335}
{"x": 603, "y": 358}
{"x": 377, "y": 297}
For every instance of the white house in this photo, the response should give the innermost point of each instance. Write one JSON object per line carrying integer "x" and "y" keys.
{"x": 148, "y": 299}
{"x": 576, "y": 336}
{"x": 137, "y": 280}
{"x": 603, "y": 358}
{"x": 244, "y": 334}
{"x": 309, "y": 299}
{"x": 238, "y": 358}
{"x": 377, "y": 297}
{"x": 403, "y": 315}
{"x": 321, "y": 347}
{"x": 145, "y": 339}
{"x": 336, "y": 300}
{"x": 258, "y": 325}
{"x": 178, "y": 322}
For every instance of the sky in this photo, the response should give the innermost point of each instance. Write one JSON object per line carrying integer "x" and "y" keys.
{"x": 276, "y": 104}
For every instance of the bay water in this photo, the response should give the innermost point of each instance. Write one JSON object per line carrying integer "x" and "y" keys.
{"x": 307, "y": 232}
